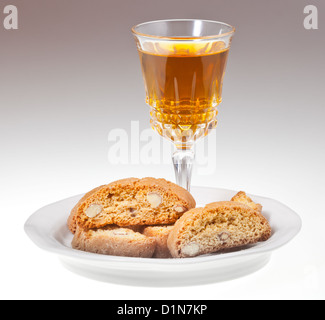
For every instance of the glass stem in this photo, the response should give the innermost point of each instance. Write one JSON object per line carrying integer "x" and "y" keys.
{"x": 183, "y": 164}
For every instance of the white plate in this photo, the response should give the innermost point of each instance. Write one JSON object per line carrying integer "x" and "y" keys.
{"x": 48, "y": 229}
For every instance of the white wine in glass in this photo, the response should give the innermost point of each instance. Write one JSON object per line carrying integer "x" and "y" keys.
{"x": 183, "y": 64}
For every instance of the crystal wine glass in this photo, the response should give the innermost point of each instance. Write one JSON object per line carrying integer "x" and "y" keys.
{"x": 183, "y": 64}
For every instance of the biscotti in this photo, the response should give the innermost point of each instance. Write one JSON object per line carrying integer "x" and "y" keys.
{"x": 242, "y": 197}
{"x": 131, "y": 201}
{"x": 115, "y": 241}
{"x": 218, "y": 226}
{"x": 72, "y": 217}
{"x": 160, "y": 234}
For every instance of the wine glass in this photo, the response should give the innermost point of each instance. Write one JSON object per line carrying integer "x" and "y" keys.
{"x": 183, "y": 63}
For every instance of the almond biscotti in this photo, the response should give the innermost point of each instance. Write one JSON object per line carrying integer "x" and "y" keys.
{"x": 128, "y": 202}
{"x": 218, "y": 226}
{"x": 242, "y": 197}
{"x": 115, "y": 241}
{"x": 160, "y": 234}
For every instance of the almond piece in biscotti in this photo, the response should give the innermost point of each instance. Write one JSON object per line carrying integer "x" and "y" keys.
{"x": 93, "y": 210}
{"x": 224, "y": 236}
{"x": 180, "y": 209}
{"x": 120, "y": 232}
{"x": 191, "y": 249}
{"x": 155, "y": 199}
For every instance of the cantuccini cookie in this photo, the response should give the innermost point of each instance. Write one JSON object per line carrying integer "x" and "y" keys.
{"x": 72, "y": 217}
{"x": 160, "y": 234}
{"x": 218, "y": 226}
{"x": 242, "y": 197}
{"x": 116, "y": 241}
{"x": 132, "y": 201}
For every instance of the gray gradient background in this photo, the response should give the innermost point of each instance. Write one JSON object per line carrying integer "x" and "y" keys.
{"x": 71, "y": 73}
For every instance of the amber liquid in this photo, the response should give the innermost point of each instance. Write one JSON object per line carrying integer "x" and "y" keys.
{"x": 184, "y": 90}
